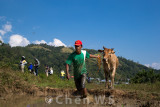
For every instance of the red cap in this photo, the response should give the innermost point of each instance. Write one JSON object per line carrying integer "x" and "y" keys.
{"x": 78, "y": 42}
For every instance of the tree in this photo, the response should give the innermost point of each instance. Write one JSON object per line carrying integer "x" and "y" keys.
{"x": 145, "y": 77}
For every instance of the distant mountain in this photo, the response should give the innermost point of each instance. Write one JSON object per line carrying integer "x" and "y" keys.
{"x": 56, "y": 56}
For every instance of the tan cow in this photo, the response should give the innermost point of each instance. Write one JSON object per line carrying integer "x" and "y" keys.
{"x": 110, "y": 64}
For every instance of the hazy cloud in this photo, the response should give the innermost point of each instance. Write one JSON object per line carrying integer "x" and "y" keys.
{"x": 7, "y": 27}
{"x": 154, "y": 65}
{"x": 56, "y": 43}
{"x": 18, "y": 40}
{"x": 40, "y": 42}
{"x": 2, "y": 32}
{"x": 35, "y": 27}
{"x": 2, "y": 18}
{"x": 147, "y": 65}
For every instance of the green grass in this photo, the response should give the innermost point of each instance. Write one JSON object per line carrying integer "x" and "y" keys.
{"x": 142, "y": 91}
{"x": 42, "y": 80}
{"x": 54, "y": 81}
{"x": 147, "y": 87}
{"x": 9, "y": 78}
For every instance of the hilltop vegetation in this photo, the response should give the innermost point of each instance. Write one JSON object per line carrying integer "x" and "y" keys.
{"x": 56, "y": 56}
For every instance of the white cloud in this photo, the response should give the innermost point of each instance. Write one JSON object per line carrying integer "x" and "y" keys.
{"x": 18, "y": 40}
{"x": 2, "y": 32}
{"x": 2, "y": 18}
{"x": 147, "y": 65}
{"x": 154, "y": 65}
{"x": 56, "y": 43}
{"x": 7, "y": 27}
{"x": 40, "y": 42}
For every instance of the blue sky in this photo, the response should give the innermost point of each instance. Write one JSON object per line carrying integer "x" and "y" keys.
{"x": 132, "y": 27}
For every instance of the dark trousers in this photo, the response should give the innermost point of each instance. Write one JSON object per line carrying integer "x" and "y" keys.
{"x": 36, "y": 70}
{"x": 80, "y": 82}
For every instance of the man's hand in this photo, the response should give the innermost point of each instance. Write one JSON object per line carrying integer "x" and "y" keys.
{"x": 94, "y": 56}
{"x": 68, "y": 76}
{"x": 67, "y": 73}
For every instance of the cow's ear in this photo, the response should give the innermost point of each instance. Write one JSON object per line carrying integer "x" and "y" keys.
{"x": 104, "y": 47}
{"x": 112, "y": 51}
{"x": 100, "y": 50}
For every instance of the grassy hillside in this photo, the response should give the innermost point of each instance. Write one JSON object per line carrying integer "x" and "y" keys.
{"x": 56, "y": 56}
{"x": 16, "y": 82}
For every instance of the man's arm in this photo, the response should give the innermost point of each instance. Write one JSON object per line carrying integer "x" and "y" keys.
{"x": 93, "y": 56}
{"x": 67, "y": 71}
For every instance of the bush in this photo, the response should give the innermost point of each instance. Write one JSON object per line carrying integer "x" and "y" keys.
{"x": 145, "y": 77}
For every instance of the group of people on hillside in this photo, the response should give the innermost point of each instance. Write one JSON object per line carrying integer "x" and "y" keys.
{"x": 23, "y": 62}
{"x": 33, "y": 69}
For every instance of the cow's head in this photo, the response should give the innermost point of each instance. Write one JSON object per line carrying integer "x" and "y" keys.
{"x": 106, "y": 53}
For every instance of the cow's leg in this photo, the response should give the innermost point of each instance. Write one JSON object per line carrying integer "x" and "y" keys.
{"x": 110, "y": 74}
{"x": 106, "y": 77}
{"x": 112, "y": 78}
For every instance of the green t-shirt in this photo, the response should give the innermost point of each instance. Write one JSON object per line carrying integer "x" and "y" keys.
{"x": 78, "y": 63}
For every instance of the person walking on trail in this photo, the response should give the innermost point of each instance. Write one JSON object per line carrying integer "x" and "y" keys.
{"x": 78, "y": 59}
{"x": 36, "y": 65}
{"x": 23, "y": 62}
{"x": 30, "y": 68}
{"x": 51, "y": 71}
{"x": 47, "y": 70}
{"x": 62, "y": 75}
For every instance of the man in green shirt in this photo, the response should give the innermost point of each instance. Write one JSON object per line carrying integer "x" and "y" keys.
{"x": 80, "y": 71}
